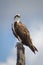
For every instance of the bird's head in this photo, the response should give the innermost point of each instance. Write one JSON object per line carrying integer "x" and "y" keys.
{"x": 17, "y": 17}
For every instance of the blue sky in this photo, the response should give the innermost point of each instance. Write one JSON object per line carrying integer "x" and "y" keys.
{"x": 32, "y": 16}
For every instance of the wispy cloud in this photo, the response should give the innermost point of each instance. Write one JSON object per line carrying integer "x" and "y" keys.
{"x": 11, "y": 60}
{"x": 37, "y": 37}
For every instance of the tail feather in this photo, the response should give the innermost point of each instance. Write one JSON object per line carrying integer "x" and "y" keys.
{"x": 33, "y": 48}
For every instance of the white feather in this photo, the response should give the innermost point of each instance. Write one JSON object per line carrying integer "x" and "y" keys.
{"x": 17, "y": 19}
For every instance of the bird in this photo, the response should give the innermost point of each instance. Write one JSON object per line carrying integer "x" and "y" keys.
{"x": 21, "y": 32}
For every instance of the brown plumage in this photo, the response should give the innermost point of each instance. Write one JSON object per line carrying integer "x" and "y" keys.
{"x": 22, "y": 34}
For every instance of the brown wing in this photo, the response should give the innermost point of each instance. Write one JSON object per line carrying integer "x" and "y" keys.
{"x": 23, "y": 28}
{"x": 22, "y": 32}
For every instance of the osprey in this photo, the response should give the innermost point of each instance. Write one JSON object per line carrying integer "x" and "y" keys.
{"x": 22, "y": 33}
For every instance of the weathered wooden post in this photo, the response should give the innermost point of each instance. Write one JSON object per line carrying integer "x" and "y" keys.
{"x": 20, "y": 54}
